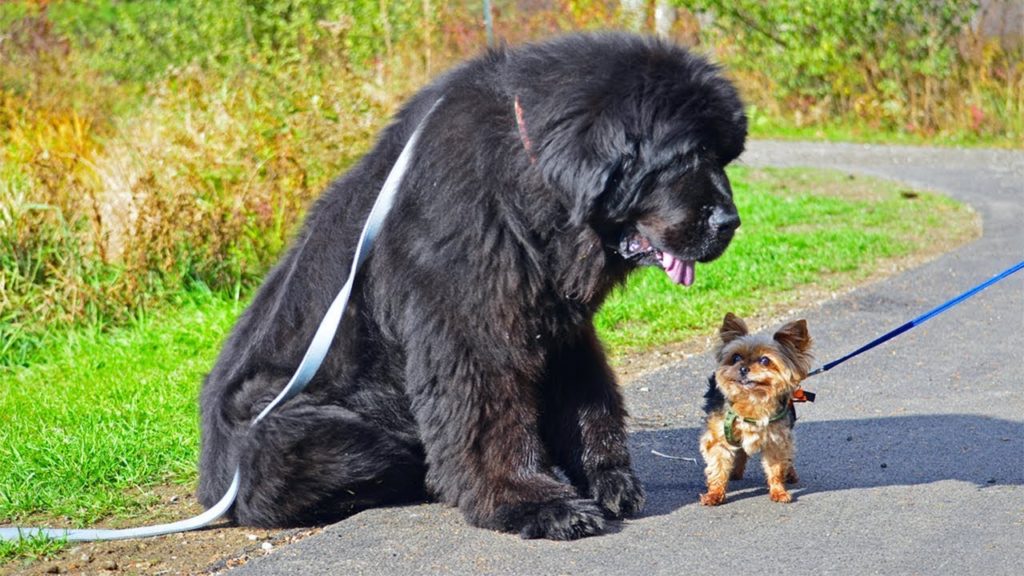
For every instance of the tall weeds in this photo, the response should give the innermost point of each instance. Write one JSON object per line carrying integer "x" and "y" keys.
{"x": 121, "y": 186}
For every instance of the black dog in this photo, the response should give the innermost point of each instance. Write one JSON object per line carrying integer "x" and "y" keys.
{"x": 467, "y": 368}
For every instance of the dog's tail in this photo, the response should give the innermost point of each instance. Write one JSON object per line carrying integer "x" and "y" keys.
{"x": 713, "y": 398}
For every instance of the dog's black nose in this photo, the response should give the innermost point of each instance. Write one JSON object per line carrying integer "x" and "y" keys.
{"x": 744, "y": 370}
{"x": 724, "y": 221}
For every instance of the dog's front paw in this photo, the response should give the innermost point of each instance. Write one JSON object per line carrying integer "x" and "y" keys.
{"x": 618, "y": 492}
{"x": 712, "y": 497}
{"x": 779, "y": 494}
{"x": 564, "y": 519}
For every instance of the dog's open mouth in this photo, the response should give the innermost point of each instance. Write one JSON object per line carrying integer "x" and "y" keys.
{"x": 635, "y": 247}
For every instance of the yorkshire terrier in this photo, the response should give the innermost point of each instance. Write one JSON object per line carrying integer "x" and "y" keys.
{"x": 749, "y": 405}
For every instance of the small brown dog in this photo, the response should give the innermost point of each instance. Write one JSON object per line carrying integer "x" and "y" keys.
{"x": 749, "y": 406}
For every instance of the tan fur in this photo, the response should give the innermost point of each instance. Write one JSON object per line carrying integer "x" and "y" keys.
{"x": 757, "y": 375}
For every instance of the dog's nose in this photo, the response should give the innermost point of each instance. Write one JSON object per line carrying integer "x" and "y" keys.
{"x": 744, "y": 370}
{"x": 724, "y": 220}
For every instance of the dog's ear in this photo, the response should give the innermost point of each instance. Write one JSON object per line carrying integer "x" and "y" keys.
{"x": 596, "y": 190}
{"x": 795, "y": 336}
{"x": 733, "y": 327}
{"x": 586, "y": 155}
{"x": 589, "y": 191}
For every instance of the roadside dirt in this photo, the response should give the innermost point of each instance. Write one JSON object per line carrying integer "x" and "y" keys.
{"x": 222, "y": 547}
{"x": 209, "y": 551}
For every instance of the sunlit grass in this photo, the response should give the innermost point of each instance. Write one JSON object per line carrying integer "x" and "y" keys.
{"x": 32, "y": 548}
{"x": 99, "y": 414}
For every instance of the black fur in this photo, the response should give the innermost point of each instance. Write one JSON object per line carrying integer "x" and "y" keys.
{"x": 714, "y": 400}
{"x": 466, "y": 368}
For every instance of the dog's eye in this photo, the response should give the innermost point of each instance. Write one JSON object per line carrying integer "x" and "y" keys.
{"x": 764, "y": 361}
{"x": 736, "y": 358}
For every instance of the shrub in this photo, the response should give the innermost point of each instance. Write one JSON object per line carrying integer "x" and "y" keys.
{"x": 899, "y": 65}
{"x": 189, "y": 170}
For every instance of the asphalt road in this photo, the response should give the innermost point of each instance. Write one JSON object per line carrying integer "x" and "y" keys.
{"x": 911, "y": 461}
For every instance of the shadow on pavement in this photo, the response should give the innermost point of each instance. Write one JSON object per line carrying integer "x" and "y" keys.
{"x": 844, "y": 455}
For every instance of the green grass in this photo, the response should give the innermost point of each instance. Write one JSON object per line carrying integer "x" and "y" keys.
{"x": 97, "y": 416}
{"x": 864, "y": 134}
{"x": 30, "y": 549}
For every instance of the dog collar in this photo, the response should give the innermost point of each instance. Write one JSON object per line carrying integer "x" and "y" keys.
{"x": 524, "y": 136}
{"x": 731, "y": 416}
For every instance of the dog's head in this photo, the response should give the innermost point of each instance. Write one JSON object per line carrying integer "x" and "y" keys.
{"x": 686, "y": 216}
{"x": 758, "y": 369}
{"x": 638, "y": 137}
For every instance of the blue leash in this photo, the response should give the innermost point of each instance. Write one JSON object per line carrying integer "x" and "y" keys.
{"x": 920, "y": 319}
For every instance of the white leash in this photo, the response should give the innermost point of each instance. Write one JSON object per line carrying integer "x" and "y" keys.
{"x": 314, "y": 356}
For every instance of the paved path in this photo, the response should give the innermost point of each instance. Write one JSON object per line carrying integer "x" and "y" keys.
{"x": 912, "y": 460}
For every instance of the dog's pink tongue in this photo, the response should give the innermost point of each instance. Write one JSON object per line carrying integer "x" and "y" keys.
{"x": 680, "y": 271}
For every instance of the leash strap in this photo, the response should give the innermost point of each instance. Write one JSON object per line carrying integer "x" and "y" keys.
{"x": 920, "y": 319}
{"x": 307, "y": 368}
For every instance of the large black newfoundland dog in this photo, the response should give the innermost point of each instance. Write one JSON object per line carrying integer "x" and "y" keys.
{"x": 466, "y": 368}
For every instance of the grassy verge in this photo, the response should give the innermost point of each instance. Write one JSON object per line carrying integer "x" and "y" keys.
{"x": 96, "y": 417}
{"x": 99, "y": 415}
{"x": 849, "y": 131}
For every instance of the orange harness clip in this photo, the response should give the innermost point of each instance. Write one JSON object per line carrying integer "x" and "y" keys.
{"x": 801, "y": 395}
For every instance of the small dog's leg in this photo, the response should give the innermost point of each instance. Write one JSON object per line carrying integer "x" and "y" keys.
{"x": 778, "y": 462}
{"x": 791, "y": 476}
{"x": 719, "y": 458}
{"x": 739, "y": 467}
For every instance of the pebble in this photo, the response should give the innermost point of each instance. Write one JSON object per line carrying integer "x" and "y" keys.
{"x": 109, "y": 565}
{"x": 266, "y": 547}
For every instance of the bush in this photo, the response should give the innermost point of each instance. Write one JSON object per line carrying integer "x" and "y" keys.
{"x": 899, "y": 65}
{"x": 128, "y": 179}
{"x": 140, "y": 40}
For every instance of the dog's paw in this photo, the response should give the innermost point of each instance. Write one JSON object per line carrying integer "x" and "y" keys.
{"x": 618, "y": 492}
{"x": 779, "y": 494}
{"x": 565, "y": 519}
{"x": 712, "y": 497}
